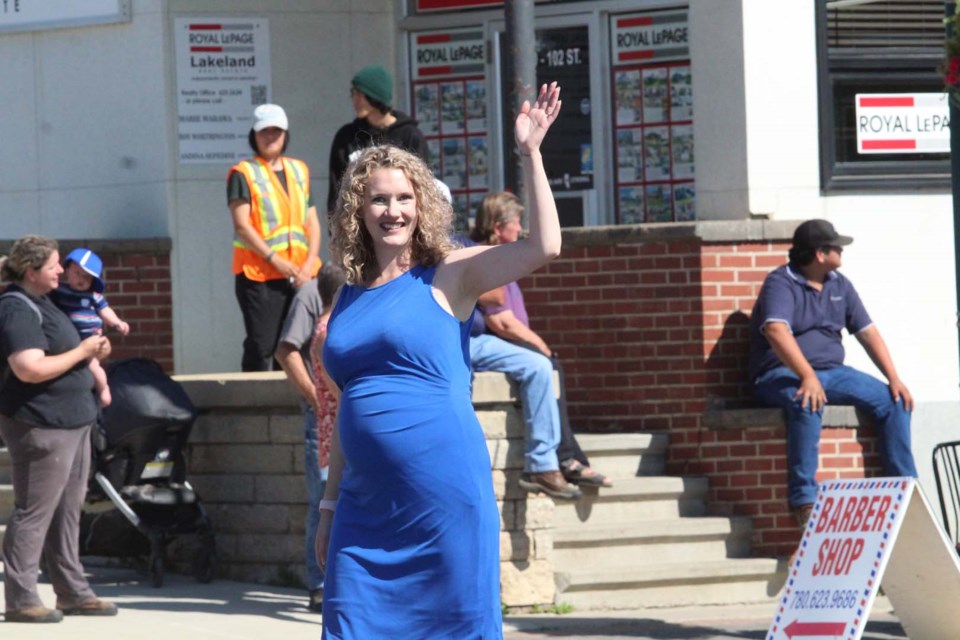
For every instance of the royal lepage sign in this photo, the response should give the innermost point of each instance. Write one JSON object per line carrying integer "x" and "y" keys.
{"x": 836, "y": 571}
{"x": 902, "y": 123}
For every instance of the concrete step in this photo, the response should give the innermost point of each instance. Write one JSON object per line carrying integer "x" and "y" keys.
{"x": 490, "y": 387}
{"x": 6, "y": 502}
{"x": 625, "y": 455}
{"x": 635, "y": 500}
{"x": 745, "y": 580}
{"x": 6, "y": 468}
{"x": 6, "y": 495}
{"x": 642, "y": 544}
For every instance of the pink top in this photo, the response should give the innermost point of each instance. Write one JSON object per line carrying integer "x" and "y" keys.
{"x": 326, "y": 401}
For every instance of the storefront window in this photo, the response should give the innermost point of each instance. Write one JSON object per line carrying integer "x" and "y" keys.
{"x": 891, "y": 47}
{"x": 563, "y": 55}
{"x": 624, "y": 152}
{"x": 450, "y": 102}
{"x": 653, "y": 116}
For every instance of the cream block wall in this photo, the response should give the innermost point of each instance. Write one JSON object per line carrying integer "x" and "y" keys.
{"x": 782, "y": 136}
{"x": 719, "y": 122}
{"x": 85, "y": 145}
{"x": 90, "y": 148}
{"x": 902, "y": 263}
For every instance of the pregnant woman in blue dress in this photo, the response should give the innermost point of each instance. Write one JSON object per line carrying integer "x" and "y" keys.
{"x": 409, "y": 527}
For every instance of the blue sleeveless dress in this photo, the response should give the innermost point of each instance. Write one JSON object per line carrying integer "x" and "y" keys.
{"x": 414, "y": 550}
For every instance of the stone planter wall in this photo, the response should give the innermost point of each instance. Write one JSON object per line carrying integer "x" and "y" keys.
{"x": 246, "y": 460}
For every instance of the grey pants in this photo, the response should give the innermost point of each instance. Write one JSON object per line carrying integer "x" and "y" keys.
{"x": 50, "y": 469}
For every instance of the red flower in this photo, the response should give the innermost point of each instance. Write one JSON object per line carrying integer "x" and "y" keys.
{"x": 952, "y": 79}
{"x": 954, "y": 64}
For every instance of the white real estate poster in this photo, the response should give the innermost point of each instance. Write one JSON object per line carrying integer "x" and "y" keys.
{"x": 223, "y": 72}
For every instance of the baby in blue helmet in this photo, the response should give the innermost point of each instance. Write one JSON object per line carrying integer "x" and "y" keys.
{"x": 81, "y": 298}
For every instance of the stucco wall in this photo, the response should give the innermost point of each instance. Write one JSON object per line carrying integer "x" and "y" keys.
{"x": 92, "y": 153}
{"x": 85, "y": 140}
{"x": 315, "y": 49}
{"x": 90, "y": 148}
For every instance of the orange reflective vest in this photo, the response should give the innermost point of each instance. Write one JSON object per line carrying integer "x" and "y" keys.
{"x": 278, "y": 215}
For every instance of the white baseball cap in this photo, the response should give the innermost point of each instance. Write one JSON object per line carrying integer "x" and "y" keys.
{"x": 269, "y": 115}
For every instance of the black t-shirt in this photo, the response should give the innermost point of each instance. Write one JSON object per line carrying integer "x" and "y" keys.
{"x": 65, "y": 402}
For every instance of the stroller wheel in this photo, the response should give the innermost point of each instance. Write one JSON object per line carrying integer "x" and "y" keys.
{"x": 158, "y": 548}
{"x": 205, "y": 567}
{"x": 205, "y": 559}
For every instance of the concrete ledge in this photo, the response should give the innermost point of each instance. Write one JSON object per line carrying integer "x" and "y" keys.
{"x": 270, "y": 389}
{"x": 837, "y": 417}
{"x": 239, "y": 390}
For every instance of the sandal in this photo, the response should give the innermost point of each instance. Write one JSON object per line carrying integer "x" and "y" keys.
{"x": 575, "y": 472}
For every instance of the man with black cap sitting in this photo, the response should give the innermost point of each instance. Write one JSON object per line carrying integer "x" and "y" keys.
{"x": 796, "y": 360}
{"x": 371, "y": 92}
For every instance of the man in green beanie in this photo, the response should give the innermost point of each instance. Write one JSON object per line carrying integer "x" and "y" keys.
{"x": 371, "y": 91}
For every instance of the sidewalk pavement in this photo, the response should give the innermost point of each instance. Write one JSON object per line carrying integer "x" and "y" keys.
{"x": 183, "y": 609}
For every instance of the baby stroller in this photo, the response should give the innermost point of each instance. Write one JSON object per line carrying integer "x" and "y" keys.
{"x": 139, "y": 467}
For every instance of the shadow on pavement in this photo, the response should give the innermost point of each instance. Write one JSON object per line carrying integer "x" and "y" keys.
{"x": 612, "y": 628}
{"x": 132, "y": 591}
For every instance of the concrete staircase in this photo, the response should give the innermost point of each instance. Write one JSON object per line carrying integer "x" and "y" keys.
{"x": 647, "y": 542}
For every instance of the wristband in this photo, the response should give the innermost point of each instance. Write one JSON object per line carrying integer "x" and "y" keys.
{"x": 270, "y": 255}
{"x": 328, "y": 505}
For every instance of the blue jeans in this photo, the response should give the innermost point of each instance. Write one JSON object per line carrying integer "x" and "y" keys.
{"x": 316, "y": 484}
{"x": 533, "y": 372}
{"x": 842, "y": 385}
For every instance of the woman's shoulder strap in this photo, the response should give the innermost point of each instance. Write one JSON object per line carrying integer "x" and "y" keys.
{"x": 26, "y": 299}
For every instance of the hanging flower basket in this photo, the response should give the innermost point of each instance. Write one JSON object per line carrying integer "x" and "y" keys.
{"x": 950, "y": 67}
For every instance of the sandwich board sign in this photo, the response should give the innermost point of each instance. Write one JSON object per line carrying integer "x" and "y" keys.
{"x": 862, "y": 531}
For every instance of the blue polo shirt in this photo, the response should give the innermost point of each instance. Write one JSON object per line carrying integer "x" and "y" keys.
{"x": 816, "y": 318}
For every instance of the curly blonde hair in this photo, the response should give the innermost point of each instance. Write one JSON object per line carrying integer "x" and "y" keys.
{"x": 351, "y": 244}
{"x": 496, "y": 208}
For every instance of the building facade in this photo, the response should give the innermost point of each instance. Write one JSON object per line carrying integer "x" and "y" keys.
{"x": 676, "y": 115}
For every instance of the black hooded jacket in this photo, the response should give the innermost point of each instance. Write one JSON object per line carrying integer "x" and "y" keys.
{"x": 360, "y": 134}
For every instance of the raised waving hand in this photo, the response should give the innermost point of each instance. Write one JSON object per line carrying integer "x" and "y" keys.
{"x": 534, "y": 120}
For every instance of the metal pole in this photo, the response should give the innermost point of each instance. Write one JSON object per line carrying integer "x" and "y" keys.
{"x": 521, "y": 66}
{"x": 950, "y": 9}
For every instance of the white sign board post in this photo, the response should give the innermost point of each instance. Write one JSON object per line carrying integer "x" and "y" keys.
{"x": 848, "y": 544}
{"x": 223, "y": 72}
{"x": 902, "y": 123}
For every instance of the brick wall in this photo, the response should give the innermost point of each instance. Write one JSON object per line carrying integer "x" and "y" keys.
{"x": 137, "y": 275}
{"x": 652, "y": 326}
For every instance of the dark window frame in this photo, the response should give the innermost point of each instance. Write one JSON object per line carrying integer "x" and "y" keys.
{"x": 901, "y": 65}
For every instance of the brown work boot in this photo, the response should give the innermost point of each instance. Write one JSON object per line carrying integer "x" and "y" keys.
{"x": 551, "y": 483}
{"x": 802, "y": 514}
{"x": 91, "y": 607}
{"x": 33, "y": 614}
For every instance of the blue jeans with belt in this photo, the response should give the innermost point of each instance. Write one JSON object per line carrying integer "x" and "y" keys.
{"x": 533, "y": 372}
{"x": 843, "y": 386}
